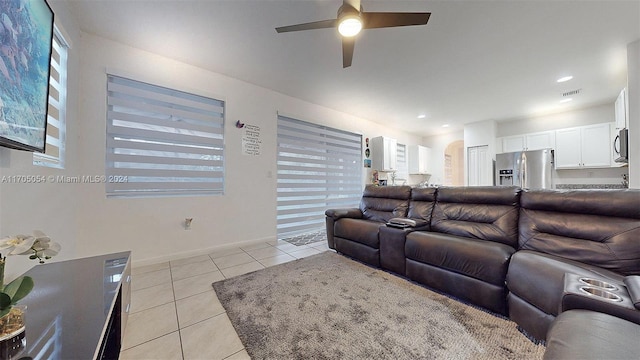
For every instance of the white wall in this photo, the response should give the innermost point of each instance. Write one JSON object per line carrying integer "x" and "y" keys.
{"x": 52, "y": 208}
{"x": 151, "y": 227}
{"x": 633, "y": 123}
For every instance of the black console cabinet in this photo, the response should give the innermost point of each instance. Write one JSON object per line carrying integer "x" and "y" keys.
{"x": 78, "y": 308}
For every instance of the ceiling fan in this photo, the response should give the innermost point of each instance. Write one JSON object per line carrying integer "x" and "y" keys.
{"x": 351, "y": 19}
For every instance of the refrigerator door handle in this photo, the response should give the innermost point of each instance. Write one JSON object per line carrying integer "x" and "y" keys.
{"x": 523, "y": 171}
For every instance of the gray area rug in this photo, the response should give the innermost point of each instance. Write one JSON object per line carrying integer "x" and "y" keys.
{"x": 308, "y": 238}
{"x": 330, "y": 307}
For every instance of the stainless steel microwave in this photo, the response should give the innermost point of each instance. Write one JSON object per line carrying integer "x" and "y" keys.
{"x": 621, "y": 146}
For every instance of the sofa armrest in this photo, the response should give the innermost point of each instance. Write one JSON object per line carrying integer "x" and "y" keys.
{"x": 336, "y": 214}
{"x": 409, "y": 224}
{"x": 584, "y": 334}
{"x": 633, "y": 286}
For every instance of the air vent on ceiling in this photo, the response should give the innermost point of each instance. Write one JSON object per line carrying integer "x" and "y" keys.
{"x": 572, "y": 92}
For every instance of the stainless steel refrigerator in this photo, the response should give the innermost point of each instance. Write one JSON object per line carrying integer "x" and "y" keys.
{"x": 526, "y": 169}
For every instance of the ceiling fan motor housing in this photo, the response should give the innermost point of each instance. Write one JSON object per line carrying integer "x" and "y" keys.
{"x": 347, "y": 10}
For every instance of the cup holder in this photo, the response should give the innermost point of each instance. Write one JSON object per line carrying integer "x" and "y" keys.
{"x": 600, "y": 292}
{"x": 598, "y": 283}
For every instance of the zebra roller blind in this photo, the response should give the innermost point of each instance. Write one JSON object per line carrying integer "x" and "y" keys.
{"x": 162, "y": 141}
{"x": 318, "y": 168}
{"x": 56, "y": 114}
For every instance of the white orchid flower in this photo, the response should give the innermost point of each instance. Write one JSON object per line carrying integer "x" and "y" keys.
{"x": 38, "y": 245}
{"x": 46, "y": 248}
{"x": 17, "y": 244}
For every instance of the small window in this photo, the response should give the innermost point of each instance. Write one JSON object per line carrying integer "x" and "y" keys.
{"x": 56, "y": 114}
{"x": 402, "y": 174}
{"x": 162, "y": 142}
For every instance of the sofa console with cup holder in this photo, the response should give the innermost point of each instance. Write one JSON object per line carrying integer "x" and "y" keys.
{"x": 535, "y": 255}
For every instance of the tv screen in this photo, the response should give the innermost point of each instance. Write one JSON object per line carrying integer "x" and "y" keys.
{"x": 26, "y": 34}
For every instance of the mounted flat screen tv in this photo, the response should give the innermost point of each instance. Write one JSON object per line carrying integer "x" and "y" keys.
{"x": 26, "y": 35}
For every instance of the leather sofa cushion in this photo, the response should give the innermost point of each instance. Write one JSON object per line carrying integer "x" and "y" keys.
{"x": 483, "y": 260}
{"x": 584, "y": 334}
{"x": 421, "y": 205}
{"x": 612, "y": 203}
{"x": 358, "y": 230}
{"x": 539, "y": 278}
{"x": 596, "y": 227}
{"x": 481, "y": 212}
{"x": 381, "y": 203}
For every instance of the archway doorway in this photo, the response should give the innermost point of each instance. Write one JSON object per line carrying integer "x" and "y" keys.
{"x": 454, "y": 164}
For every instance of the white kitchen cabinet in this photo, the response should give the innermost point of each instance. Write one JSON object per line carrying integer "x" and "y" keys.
{"x": 596, "y": 146}
{"x": 419, "y": 159}
{"x": 621, "y": 110}
{"x": 384, "y": 153}
{"x": 533, "y": 141}
{"x": 513, "y": 143}
{"x": 568, "y": 154}
{"x": 583, "y": 147}
{"x": 541, "y": 140}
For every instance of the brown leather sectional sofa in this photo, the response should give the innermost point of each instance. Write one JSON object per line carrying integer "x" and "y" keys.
{"x": 512, "y": 251}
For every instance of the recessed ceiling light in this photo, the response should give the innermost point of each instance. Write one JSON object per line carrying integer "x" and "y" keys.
{"x": 565, "y": 100}
{"x": 422, "y": 116}
{"x": 445, "y": 125}
{"x": 565, "y": 78}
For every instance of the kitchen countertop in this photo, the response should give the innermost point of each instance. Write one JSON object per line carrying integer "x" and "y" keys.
{"x": 589, "y": 186}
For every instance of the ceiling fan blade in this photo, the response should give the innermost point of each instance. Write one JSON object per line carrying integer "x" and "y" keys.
{"x": 347, "y": 51}
{"x": 353, "y": 3}
{"x": 323, "y": 24}
{"x": 373, "y": 20}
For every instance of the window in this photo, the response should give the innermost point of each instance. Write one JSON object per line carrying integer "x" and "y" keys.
{"x": 162, "y": 141}
{"x": 402, "y": 174}
{"x": 318, "y": 168}
{"x": 56, "y": 114}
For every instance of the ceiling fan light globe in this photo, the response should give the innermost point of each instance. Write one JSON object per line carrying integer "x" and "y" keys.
{"x": 350, "y": 26}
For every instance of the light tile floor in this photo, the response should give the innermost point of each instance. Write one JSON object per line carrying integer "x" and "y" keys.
{"x": 175, "y": 313}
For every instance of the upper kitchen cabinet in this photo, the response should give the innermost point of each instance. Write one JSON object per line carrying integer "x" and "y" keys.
{"x": 583, "y": 147}
{"x": 621, "y": 110}
{"x": 419, "y": 160}
{"x": 384, "y": 153}
{"x": 533, "y": 141}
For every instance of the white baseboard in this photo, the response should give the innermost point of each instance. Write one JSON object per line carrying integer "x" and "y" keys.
{"x": 187, "y": 254}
